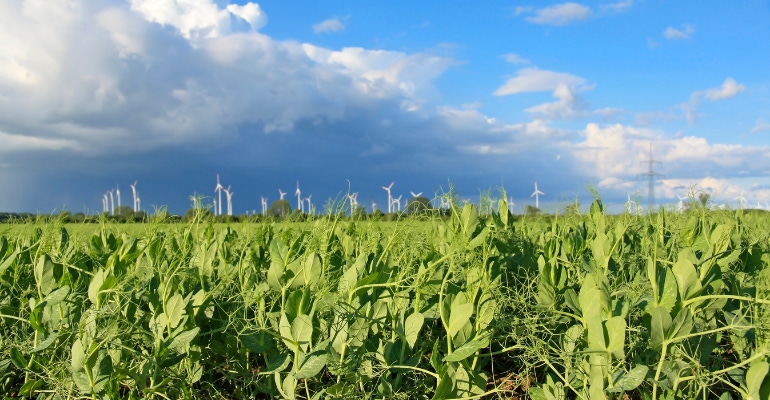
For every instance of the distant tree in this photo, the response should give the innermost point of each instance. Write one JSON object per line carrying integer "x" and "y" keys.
{"x": 125, "y": 212}
{"x": 192, "y": 213}
{"x": 704, "y": 199}
{"x": 418, "y": 205}
{"x": 530, "y": 210}
{"x": 280, "y": 208}
{"x": 79, "y": 217}
{"x": 571, "y": 209}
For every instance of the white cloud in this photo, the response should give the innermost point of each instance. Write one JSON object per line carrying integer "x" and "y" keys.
{"x": 14, "y": 143}
{"x": 620, "y": 6}
{"x": 762, "y": 125}
{"x": 329, "y": 25}
{"x": 728, "y": 89}
{"x": 537, "y": 80}
{"x": 619, "y": 152}
{"x": 672, "y": 33}
{"x": 199, "y": 18}
{"x": 515, "y": 59}
{"x": 558, "y": 14}
{"x": 569, "y": 106}
{"x": 92, "y": 76}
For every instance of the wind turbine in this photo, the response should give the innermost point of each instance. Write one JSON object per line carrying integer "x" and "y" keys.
{"x": 390, "y": 197}
{"x": 298, "y": 193}
{"x": 309, "y": 205}
{"x": 511, "y": 204}
{"x": 229, "y": 195}
{"x": 117, "y": 192}
{"x": 397, "y": 201}
{"x": 680, "y": 205}
{"x": 415, "y": 194}
{"x": 374, "y": 206}
{"x": 281, "y": 193}
{"x": 133, "y": 192}
{"x": 215, "y": 206}
{"x": 105, "y": 203}
{"x": 112, "y": 202}
{"x": 629, "y": 203}
{"x": 264, "y": 205}
{"x": 218, "y": 189}
{"x": 741, "y": 199}
{"x": 353, "y": 202}
{"x": 536, "y": 194}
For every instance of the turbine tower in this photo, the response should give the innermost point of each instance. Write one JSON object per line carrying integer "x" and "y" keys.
{"x": 536, "y": 194}
{"x": 390, "y": 197}
{"x": 741, "y": 200}
{"x": 229, "y": 195}
{"x": 397, "y": 203}
{"x": 218, "y": 189}
{"x": 309, "y": 209}
{"x": 264, "y": 205}
{"x": 112, "y": 202}
{"x": 105, "y": 203}
{"x": 650, "y": 174}
{"x": 133, "y": 192}
{"x": 117, "y": 193}
{"x": 298, "y": 193}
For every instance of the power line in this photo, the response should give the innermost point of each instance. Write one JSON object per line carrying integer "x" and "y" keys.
{"x": 651, "y": 174}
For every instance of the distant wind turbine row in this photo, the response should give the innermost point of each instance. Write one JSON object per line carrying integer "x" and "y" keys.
{"x": 108, "y": 200}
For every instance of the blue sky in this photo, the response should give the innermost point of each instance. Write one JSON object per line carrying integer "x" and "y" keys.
{"x": 350, "y": 95}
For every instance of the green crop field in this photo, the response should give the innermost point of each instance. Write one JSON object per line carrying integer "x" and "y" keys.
{"x": 664, "y": 306}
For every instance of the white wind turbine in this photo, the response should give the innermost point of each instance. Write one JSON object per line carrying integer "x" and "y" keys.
{"x": 680, "y": 205}
{"x": 117, "y": 193}
{"x": 629, "y": 203}
{"x": 741, "y": 199}
{"x": 229, "y": 195}
{"x": 309, "y": 209}
{"x": 218, "y": 189}
{"x": 281, "y": 193}
{"x": 133, "y": 192}
{"x": 105, "y": 203}
{"x": 511, "y": 204}
{"x": 353, "y": 202}
{"x": 536, "y": 194}
{"x": 390, "y": 197}
{"x": 397, "y": 203}
{"x": 264, "y": 205}
{"x": 374, "y": 206}
{"x": 298, "y": 193}
{"x": 112, "y": 202}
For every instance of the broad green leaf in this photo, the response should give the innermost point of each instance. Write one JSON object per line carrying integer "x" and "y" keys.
{"x": 29, "y": 388}
{"x": 668, "y": 289}
{"x": 277, "y": 363}
{"x": 57, "y": 296}
{"x": 681, "y": 325}
{"x": 660, "y": 323}
{"x": 181, "y": 342}
{"x": 625, "y": 382}
{"x": 616, "y": 335}
{"x": 302, "y": 330}
{"x": 175, "y": 310}
{"x": 460, "y": 314}
{"x": 46, "y": 343}
{"x": 258, "y": 342}
{"x": 468, "y": 349}
{"x": 18, "y": 359}
{"x": 444, "y": 386}
{"x": 412, "y": 327}
{"x": 6, "y": 263}
{"x": 686, "y": 277}
{"x": 44, "y": 275}
{"x": 312, "y": 364}
{"x": 755, "y": 375}
{"x": 288, "y": 386}
{"x": 95, "y": 285}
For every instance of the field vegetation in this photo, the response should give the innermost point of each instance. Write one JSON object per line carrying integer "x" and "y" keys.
{"x": 466, "y": 305}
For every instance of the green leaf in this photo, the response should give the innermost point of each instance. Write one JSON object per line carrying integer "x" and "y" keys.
{"x": 631, "y": 380}
{"x": 616, "y": 334}
{"x": 681, "y": 325}
{"x": 95, "y": 285}
{"x": 468, "y": 349}
{"x": 57, "y": 296}
{"x": 660, "y": 323}
{"x": 277, "y": 363}
{"x": 312, "y": 364}
{"x": 175, "y": 310}
{"x": 18, "y": 359}
{"x": 29, "y": 388}
{"x": 755, "y": 375}
{"x": 459, "y": 315}
{"x": 46, "y": 343}
{"x": 412, "y": 327}
{"x": 686, "y": 277}
{"x": 302, "y": 331}
{"x": 181, "y": 342}
{"x": 44, "y": 275}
